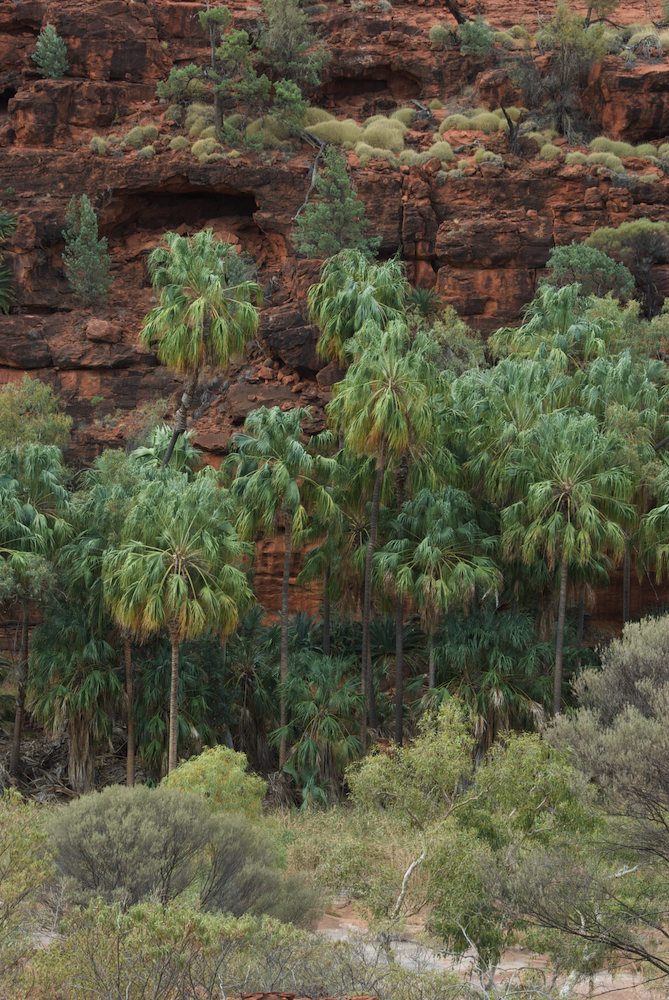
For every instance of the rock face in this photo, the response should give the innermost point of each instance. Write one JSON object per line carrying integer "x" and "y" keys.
{"x": 480, "y": 239}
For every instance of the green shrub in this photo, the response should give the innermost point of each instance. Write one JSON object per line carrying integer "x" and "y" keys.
{"x": 220, "y": 776}
{"x": 147, "y": 152}
{"x": 85, "y": 257}
{"x": 596, "y": 272}
{"x": 647, "y": 178}
{"x": 663, "y": 151}
{"x": 476, "y": 38}
{"x": 441, "y": 36}
{"x": 442, "y": 151}
{"x": 457, "y": 122}
{"x": 139, "y": 136}
{"x": 183, "y": 85}
{"x": 518, "y": 31}
{"x": 205, "y": 147}
{"x": 537, "y": 138}
{"x": 604, "y": 145}
{"x": 198, "y": 117}
{"x": 130, "y": 844}
{"x": 335, "y": 217}
{"x": 435, "y": 104}
{"x": 404, "y": 115}
{"x": 179, "y": 143}
{"x": 463, "y": 164}
{"x": 609, "y": 160}
{"x": 173, "y": 114}
{"x": 576, "y": 158}
{"x": 98, "y": 145}
{"x": 24, "y": 868}
{"x": 411, "y": 157}
{"x": 365, "y": 153}
{"x": 487, "y": 156}
{"x": 645, "y": 149}
{"x": 314, "y": 116}
{"x": 549, "y": 152}
{"x": 381, "y": 135}
{"x": 506, "y": 40}
{"x": 208, "y": 133}
{"x": 513, "y": 113}
{"x": 339, "y": 132}
{"x": 50, "y": 55}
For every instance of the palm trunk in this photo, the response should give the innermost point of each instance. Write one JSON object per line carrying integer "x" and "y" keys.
{"x": 22, "y": 685}
{"x": 130, "y": 712}
{"x": 627, "y": 581}
{"x": 283, "y": 666}
{"x": 431, "y": 665}
{"x": 399, "y": 671}
{"x": 174, "y": 705}
{"x": 181, "y": 417}
{"x": 368, "y": 684}
{"x": 580, "y": 626}
{"x": 327, "y": 627}
{"x": 80, "y": 760}
{"x": 559, "y": 638}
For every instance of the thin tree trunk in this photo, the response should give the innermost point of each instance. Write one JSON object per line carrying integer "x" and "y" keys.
{"x": 399, "y": 671}
{"x": 368, "y": 684}
{"x": 327, "y": 608}
{"x": 172, "y": 757}
{"x": 580, "y": 624}
{"x": 431, "y": 665}
{"x": 80, "y": 760}
{"x": 283, "y": 667}
{"x": 627, "y": 581}
{"x": 400, "y": 487}
{"x": 22, "y": 686}
{"x": 181, "y": 417}
{"x": 452, "y": 8}
{"x": 130, "y": 712}
{"x": 559, "y": 638}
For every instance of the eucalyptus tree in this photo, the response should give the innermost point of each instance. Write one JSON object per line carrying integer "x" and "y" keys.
{"x": 354, "y": 292}
{"x": 206, "y": 313}
{"x": 439, "y": 559}
{"x": 176, "y": 569}
{"x": 33, "y": 523}
{"x": 570, "y": 503}
{"x": 383, "y": 409}
{"x": 280, "y": 481}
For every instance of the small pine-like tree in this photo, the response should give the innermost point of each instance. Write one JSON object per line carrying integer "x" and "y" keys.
{"x": 50, "y": 55}
{"x": 337, "y": 220}
{"x": 85, "y": 257}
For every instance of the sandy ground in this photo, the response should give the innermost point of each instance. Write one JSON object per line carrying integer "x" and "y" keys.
{"x": 342, "y": 922}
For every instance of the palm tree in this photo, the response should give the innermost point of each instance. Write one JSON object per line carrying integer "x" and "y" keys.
{"x": 495, "y": 663}
{"x": 352, "y": 293}
{"x": 382, "y": 410}
{"x": 438, "y": 559}
{"x": 325, "y": 703}
{"x": 557, "y": 330}
{"x": 280, "y": 481}
{"x": 74, "y": 681}
{"x": 185, "y": 456}
{"x": 174, "y": 570}
{"x": 7, "y": 229}
{"x": 571, "y": 504}
{"x": 629, "y": 396}
{"x": 33, "y": 522}
{"x": 207, "y": 310}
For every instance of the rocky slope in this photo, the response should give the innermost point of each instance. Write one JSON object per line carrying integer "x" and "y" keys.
{"x": 480, "y": 239}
